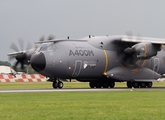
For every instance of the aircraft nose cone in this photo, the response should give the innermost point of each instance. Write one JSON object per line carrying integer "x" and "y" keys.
{"x": 38, "y": 62}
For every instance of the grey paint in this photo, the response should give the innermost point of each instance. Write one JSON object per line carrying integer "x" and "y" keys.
{"x": 71, "y": 60}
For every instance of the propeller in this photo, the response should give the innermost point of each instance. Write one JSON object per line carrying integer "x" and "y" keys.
{"x": 21, "y": 56}
{"x": 50, "y": 37}
{"x": 128, "y": 53}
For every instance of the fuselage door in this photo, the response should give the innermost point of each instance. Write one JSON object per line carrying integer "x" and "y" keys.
{"x": 77, "y": 68}
{"x": 155, "y": 64}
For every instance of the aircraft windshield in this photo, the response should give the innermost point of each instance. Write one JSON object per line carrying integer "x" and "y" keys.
{"x": 44, "y": 46}
{"x": 52, "y": 48}
{"x": 47, "y": 47}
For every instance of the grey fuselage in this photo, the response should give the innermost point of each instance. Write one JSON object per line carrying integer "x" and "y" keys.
{"x": 90, "y": 59}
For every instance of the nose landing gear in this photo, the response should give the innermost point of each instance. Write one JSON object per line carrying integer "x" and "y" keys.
{"x": 57, "y": 84}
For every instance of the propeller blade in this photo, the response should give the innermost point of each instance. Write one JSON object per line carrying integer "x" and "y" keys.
{"x": 15, "y": 65}
{"x": 21, "y": 57}
{"x": 29, "y": 46}
{"x": 22, "y": 66}
{"x": 41, "y": 38}
{"x": 10, "y": 58}
{"x": 51, "y": 37}
{"x": 129, "y": 51}
{"x": 129, "y": 34}
{"x": 14, "y": 47}
{"x": 21, "y": 43}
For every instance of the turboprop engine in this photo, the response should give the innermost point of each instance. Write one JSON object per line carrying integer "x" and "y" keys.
{"x": 143, "y": 50}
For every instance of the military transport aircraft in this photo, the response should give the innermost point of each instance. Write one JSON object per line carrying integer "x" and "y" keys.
{"x": 99, "y": 60}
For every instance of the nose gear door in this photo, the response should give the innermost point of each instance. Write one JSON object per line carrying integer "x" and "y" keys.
{"x": 77, "y": 68}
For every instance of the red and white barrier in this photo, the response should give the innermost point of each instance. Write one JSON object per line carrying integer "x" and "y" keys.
{"x": 7, "y": 78}
{"x": 22, "y": 78}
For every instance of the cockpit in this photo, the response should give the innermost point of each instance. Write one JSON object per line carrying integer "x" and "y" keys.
{"x": 47, "y": 47}
{"x": 52, "y": 48}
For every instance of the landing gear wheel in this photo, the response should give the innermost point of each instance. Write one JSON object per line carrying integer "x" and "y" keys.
{"x": 149, "y": 84}
{"x": 142, "y": 84}
{"x": 105, "y": 85}
{"x": 98, "y": 84}
{"x": 112, "y": 84}
{"x": 60, "y": 84}
{"x": 55, "y": 85}
{"x": 92, "y": 84}
{"x": 135, "y": 84}
{"x": 129, "y": 84}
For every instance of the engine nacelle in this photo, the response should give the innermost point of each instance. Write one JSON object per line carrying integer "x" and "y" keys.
{"x": 146, "y": 50}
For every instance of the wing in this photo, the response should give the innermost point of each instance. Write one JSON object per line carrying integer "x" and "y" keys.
{"x": 133, "y": 53}
{"x": 141, "y": 47}
{"x": 136, "y": 39}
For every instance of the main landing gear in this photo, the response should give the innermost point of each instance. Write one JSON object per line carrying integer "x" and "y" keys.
{"x": 108, "y": 84}
{"x": 101, "y": 84}
{"x": 57, "y": 84}
{"x": 131, "y": 84}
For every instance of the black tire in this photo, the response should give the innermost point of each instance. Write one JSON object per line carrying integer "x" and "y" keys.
{"x": 149, "y": 84}
{"x": 98, "y": 84}
{"x": 143, "y": 85}
{"x": 92, "y": 84}
{"x": 60, "y": 84}
{"x": 129, "y": 84}
{"x": 112, "y": 84}
{"x": 105, "y": 85}
{"x": 55, "y": 85}
{"x": 135, "y": 84}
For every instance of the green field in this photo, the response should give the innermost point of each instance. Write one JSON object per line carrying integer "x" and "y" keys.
{"x": 121, "y": 105}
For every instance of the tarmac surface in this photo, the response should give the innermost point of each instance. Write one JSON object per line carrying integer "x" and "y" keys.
{"x": 78, "y": 90}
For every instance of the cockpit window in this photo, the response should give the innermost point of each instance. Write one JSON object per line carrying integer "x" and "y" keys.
{"x": 55, "y": 48}
{"x": 43, "y": 48}
{"x": 38, "y": 49}
{"x": 47, "y": 47}
{"x": 52, "y": 48}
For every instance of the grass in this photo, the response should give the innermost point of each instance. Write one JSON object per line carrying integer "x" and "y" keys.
{"x": 42, "y": 85}
{"x": 136, "y": 105}
{"x": 121, "y": 105}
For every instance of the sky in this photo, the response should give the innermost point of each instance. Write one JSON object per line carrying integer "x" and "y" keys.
{"x": 29, "y": 19}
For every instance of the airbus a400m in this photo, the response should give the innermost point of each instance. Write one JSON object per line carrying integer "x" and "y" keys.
{"x": 99, "y": 60}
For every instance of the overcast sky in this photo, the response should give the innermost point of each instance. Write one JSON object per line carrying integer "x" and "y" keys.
{"x": 29, "y": 19}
